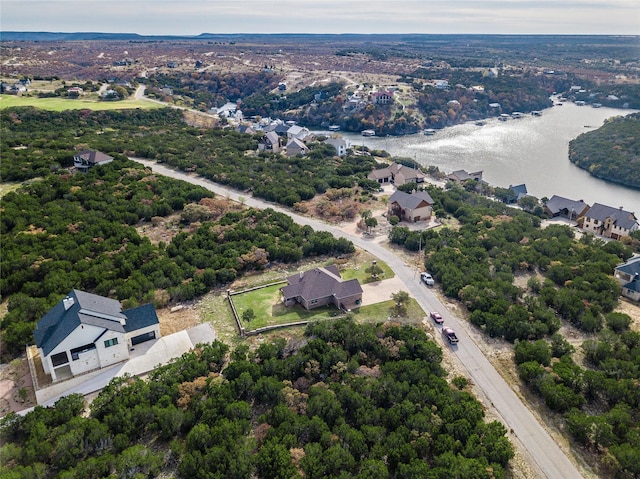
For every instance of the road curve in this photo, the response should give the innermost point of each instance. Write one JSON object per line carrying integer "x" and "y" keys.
{"x": 550, "y": 460}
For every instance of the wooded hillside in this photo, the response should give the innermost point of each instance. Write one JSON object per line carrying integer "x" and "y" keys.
{"x": 612, "y": 152}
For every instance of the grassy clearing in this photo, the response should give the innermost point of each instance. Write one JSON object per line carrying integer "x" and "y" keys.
{"x": 270, "y": 311}
{"x": 8, "y": 188}
{"x": 379, "y": 312}
{"x": 62, "y": 104}
{"x": 358, "y": 272}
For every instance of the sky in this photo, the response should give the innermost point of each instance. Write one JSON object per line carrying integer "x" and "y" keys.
{"x": 192, "y": 17}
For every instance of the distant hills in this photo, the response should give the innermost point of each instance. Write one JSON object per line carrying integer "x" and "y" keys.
{"x": 78, "y": 36}
{"x": 226, "y": 37}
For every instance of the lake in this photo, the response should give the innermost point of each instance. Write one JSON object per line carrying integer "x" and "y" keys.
{"x": 532, "y": 150}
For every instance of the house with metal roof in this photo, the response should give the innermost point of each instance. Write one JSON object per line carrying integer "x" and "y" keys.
{"x": 89, "y": 158}
{"x": 609, "y": 222}
{"x": 321, "y": 287}
{"x": 411, "y": 207}
{"x": 85, "y": 332}
{"x": 559, "y": 206}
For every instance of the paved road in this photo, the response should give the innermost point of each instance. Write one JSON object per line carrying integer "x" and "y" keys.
{"x": 550, "y": 460}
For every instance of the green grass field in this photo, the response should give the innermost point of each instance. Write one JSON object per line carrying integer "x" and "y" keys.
{"x": 62, "y": 104}
{"x": 270, "y": 311}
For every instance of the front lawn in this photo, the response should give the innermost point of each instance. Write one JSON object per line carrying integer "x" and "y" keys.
{"x": 62, "y": 104}
{"x": 269, "y": 311}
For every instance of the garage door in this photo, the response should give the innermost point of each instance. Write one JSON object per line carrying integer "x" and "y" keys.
{"x": 143, "y": 337}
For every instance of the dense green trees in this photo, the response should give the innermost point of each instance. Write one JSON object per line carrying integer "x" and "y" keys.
{"x": 350, "y": 401}
{"x": 570, "y": 280}
{"x": 77, "y": 232}
{"x": 611, "y": 152}
{"x": 220, "y": 155}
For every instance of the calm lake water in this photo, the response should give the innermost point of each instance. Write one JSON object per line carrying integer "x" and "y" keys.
{"x": 531, "y": 150}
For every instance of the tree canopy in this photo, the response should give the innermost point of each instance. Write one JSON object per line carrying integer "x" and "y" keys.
{"x": 348, "y": 401}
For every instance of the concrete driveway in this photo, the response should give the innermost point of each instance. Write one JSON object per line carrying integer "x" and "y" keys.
{"x": 379, "y": 291}
{"x": 144, "y": 357}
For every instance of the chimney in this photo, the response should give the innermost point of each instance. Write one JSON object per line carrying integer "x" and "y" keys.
{"x": 67, "y": 302}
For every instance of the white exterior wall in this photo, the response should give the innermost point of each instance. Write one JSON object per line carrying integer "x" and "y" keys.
{"x": 633, "y": 295}
{"x": 83, "y": 334}
{"x": 138, "y": 332}
{"x": 89, "y": 360}
{"x": 112, "y": 354}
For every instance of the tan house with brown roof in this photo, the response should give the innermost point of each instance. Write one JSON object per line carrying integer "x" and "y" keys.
{"x": 321, "y": 287}
{"x": 411, "y": 207}
{"x": 397, "y": 174}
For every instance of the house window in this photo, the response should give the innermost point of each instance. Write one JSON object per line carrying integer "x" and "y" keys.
{"x": 110, "y": 342}
{"x": 75, "y": 352}
{"x": 60, "y": 358}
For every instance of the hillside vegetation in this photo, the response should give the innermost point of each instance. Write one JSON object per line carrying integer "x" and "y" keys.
{"x": 612, "y": 152}
{"x": 590, "y": 387}
{"x": 348, "y": 401}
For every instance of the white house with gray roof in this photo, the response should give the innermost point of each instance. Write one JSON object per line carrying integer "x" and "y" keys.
{"x": 85, "y": 332}
{"x": 340, "y": 145}
{"x": 609, "y": 222}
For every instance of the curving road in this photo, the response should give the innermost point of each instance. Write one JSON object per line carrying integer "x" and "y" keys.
{"x": 550, "y": 460}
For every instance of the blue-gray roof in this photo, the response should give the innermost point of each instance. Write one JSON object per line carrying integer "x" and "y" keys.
{"x": 633, "y": 285}
{"x": 83, "y": 308}
{"x": 80, "y": 307}
{"x": 140, "y": 317}
{"x": 519, "y": 190}
{"x": 623, "y": 219}
{"x": 631, "y": 267}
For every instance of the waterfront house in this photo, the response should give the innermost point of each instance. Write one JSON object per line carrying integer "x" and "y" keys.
{"x": 87, "y": 159}
{"x": 299, "y": 132}
{"x": 397, "y": 174}
{"x": 609, "y": 222}
{"x": 411, "y": 207}
{"x": 340, "y": 145}
{"x": 85, "y": 332}
{"x": 320, "y": 287}
{"x": 571, "y": 209}
{"x": 515, "y": 193}
{"x": 461, "y": 176}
